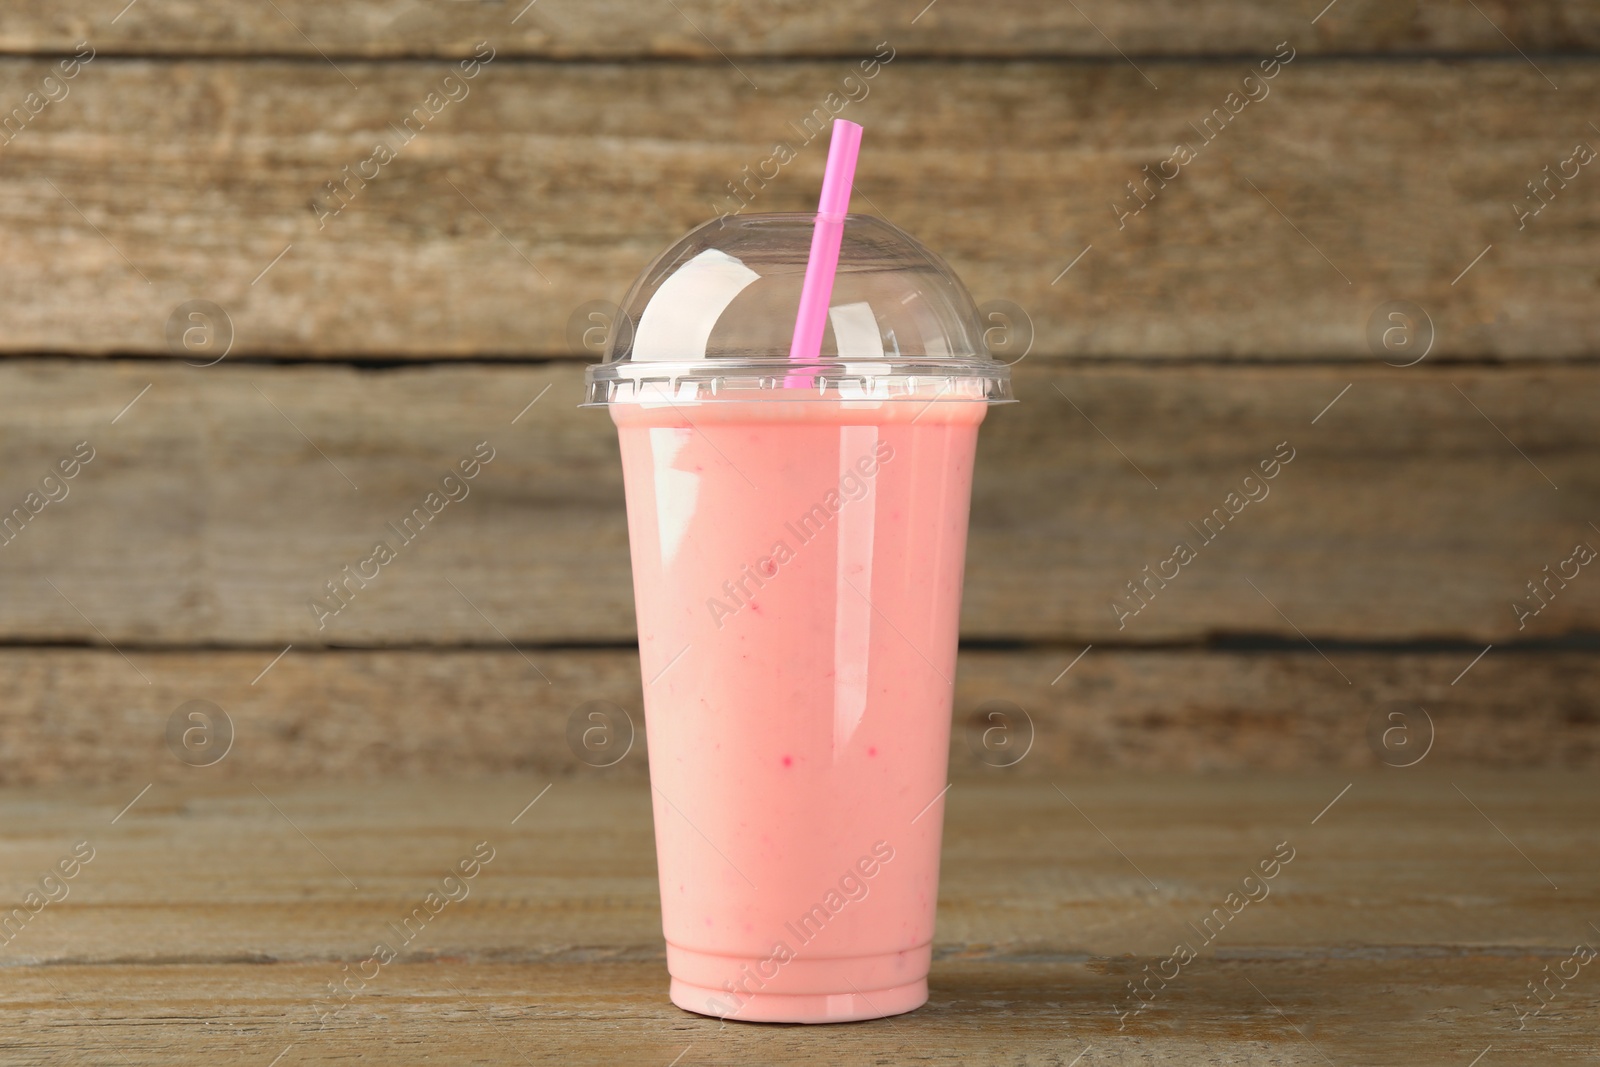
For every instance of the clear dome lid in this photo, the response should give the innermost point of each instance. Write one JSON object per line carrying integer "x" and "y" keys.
{"x": 713, "y": 316}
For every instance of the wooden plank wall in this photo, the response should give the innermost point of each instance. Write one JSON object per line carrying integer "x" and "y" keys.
{"x": 157, "y": 154}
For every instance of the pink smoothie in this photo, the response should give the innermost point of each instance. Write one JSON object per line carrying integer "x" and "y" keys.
{"x": 797, "y": 573}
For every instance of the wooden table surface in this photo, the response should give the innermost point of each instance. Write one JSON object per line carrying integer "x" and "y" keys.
{"x": 1415, "y": 912}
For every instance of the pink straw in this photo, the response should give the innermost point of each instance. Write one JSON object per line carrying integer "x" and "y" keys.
{"x": 817, "y": 290}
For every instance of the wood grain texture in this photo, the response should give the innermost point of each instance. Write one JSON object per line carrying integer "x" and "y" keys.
{"x": 708, "y": 31}
{"x": 1404, "y": 929}
{"x": 1362, "y": 1012}
{"x": 81, "y": 715}
{"x": 551, "y": 185}
{"x": 224, "y": 499}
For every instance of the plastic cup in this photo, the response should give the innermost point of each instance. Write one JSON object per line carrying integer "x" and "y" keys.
{"x": 798, "y": 545}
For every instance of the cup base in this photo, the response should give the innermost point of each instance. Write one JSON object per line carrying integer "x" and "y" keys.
{"x": 801, "y": 1007}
